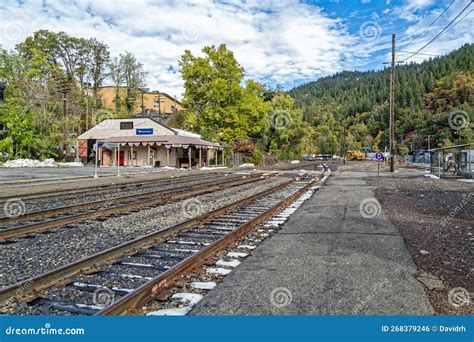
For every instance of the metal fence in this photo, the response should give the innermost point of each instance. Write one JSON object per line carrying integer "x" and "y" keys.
{"x": 452, "y": 161}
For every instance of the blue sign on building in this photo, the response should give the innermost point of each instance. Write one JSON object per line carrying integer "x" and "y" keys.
{"x": 144, "y": 131}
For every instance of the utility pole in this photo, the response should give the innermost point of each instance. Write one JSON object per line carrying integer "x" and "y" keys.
{"x": 159, "y": 103}
{"x": 64, "y": 89}
{"x": 143, "y": 102}
{"x": 344, "y": 144}
{"x": 87, "y": 109}
{"x": 392, "y": 108}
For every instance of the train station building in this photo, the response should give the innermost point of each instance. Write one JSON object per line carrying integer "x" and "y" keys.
{"x": 146, "y": 142}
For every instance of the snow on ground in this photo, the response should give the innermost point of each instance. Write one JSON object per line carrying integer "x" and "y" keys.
{"x": 30, "y": 163}
{"x": 431, "y": 176}
{"x": 70, "y": 164}
{"x": 213, "y": 168}
{"x": 171, "y": 312}
{"x": 237, "y": 255}
{"x": 231, "y": 263}
{"x": 218, "y": 270}
{"x": 247, "y": 165}
{"x": 206, "y": 285}
{"x": 246, "y": 247}
{"x": 36, "y": 163}
{"x": 466, "y": 180}
{"x": 189, "y": 299}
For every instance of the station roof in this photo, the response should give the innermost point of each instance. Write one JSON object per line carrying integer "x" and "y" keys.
{"x": 167, "y": 140}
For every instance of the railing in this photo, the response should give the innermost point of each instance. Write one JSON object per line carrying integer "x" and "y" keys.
{"x": 452, "y": 161}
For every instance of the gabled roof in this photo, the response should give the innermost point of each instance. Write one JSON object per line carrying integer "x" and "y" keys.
{"x": 111, "y": 128}
{"x": 171, "y": 140}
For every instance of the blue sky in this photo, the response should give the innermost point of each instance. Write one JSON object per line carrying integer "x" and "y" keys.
{"x": 286, "y": 42}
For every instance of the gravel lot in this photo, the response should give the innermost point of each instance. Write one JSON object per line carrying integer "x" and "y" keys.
{"x": 37, "y": 254}
{"x": 436, "y": 219}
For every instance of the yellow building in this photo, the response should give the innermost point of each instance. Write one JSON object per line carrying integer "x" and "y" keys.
{"x": 155, "y": 103}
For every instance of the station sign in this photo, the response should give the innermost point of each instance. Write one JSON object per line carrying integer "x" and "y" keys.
{"x": 98, "y": 144}
{"x": 110, "y": 145}
{"x": 144, "y": 131}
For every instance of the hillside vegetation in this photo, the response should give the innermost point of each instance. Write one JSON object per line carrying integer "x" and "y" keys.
{"x": 428, "y": 97}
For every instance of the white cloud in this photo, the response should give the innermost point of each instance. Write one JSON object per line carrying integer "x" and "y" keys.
{"x": 416, "y": 35}
{"x": 275, "y": 41}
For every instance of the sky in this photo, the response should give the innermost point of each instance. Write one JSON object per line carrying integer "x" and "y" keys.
{"x": 278, "y": 42}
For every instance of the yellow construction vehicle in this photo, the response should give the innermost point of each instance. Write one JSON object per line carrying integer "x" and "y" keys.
{"x": 355, "y": 155}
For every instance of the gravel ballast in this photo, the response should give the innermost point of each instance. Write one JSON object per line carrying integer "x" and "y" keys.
{"x": 39, "y": 253}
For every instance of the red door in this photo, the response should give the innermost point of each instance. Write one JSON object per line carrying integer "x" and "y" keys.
{"x": 121, "y": 158}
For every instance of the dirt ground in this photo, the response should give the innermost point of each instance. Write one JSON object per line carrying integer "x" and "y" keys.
{"x": 436, "y": 220}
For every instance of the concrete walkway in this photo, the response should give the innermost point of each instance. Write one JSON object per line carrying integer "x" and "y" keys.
{"x": 328, "y": 259}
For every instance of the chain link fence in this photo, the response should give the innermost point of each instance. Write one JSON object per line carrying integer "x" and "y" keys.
{"x": 452, "y": 161}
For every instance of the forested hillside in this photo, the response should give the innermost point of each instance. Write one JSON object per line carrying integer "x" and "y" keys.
{"x": 426, "y": 94}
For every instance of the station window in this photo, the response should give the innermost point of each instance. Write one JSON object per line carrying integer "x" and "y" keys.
{"x": 126, "y": 125}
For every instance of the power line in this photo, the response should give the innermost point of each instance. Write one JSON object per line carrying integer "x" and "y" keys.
{"x": 424, "y": 54}
{"x": 440, "y": 33}
{"x": 427, "y": 27}
{"x": 457, "y": 22}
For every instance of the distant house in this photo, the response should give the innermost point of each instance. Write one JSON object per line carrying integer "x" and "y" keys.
{"x": 156, "y": 104}
{"x": 145, "y": 142}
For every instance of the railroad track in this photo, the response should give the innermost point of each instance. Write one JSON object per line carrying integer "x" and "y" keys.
{"x": 130, "y": 185}
{"x": 103, "y": 188}
{"x": 40, "y": 221}
{"x": 136, "y": 271}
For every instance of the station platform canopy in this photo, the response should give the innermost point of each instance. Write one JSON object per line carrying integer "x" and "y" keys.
{"x": 167, "y": 141}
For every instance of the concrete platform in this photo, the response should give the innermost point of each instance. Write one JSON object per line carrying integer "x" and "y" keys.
{"x": 326, "y": 260}
{"x": 39, "y": 173}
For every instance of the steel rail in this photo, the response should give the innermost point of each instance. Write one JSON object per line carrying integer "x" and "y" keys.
{"x": 101, "y": 187}
{"x": 160, "y": 284}
{"x": 54, "y": 211}
{"x": 32, "y": 286}
{"x": 49, "y": 224}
